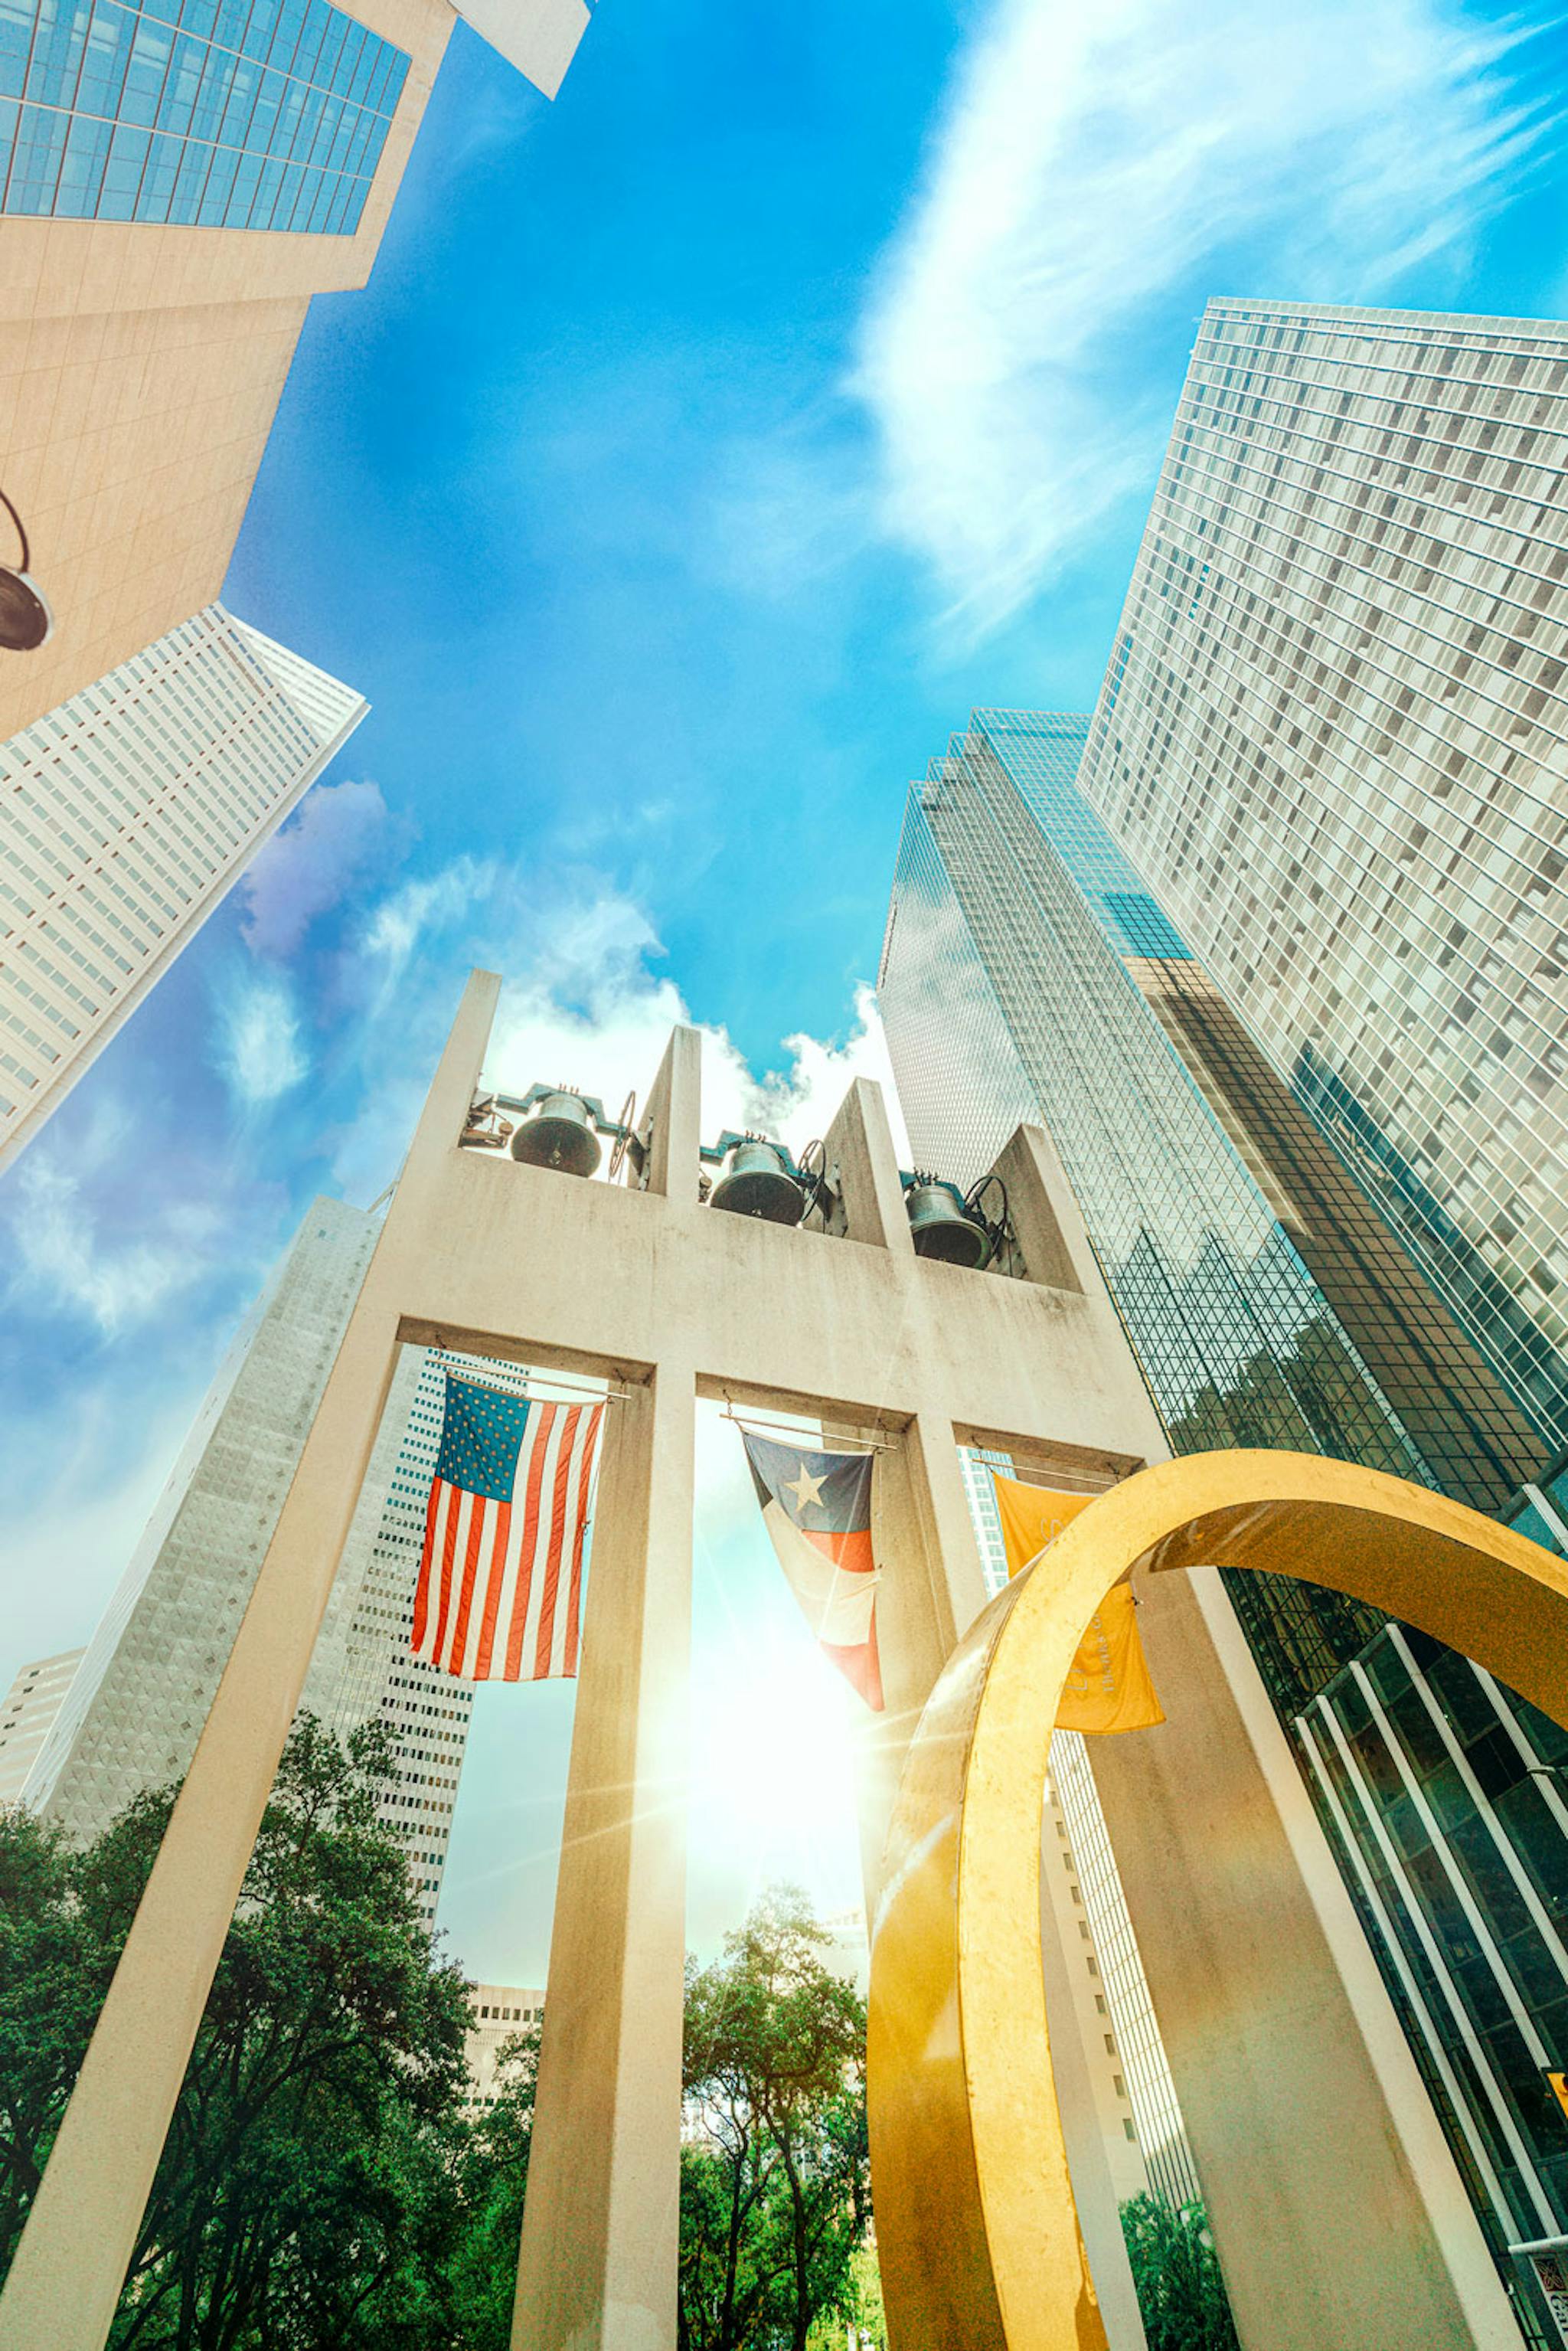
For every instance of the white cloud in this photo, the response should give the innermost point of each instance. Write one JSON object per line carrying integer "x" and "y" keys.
{"x": 1096, "y": 162}
{"x": 583, "y": 1006}
{"x": 590, "y": 1013}
{"x": 400, "y": 921}
{"x": 306, "y": 868}
{"x": 260, "y": 1051}
{"x": 63, "y": 1255}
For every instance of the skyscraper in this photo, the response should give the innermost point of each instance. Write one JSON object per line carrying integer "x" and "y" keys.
{"x": 1027, "y": 972}
{"x": 1334, "y": 740}
{"x": 177, "y": 179}
{"x": 30, "y": 1705}
{"x": 136, "y": 1706}
{"x": 1129, "y": 2070}
{"x": 125, "y": 815}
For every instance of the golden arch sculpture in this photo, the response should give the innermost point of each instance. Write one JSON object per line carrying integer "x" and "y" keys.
{"x": 977, "y": 2234}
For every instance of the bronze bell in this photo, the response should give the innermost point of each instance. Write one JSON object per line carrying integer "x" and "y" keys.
{"x": 559, "y": 1134}
{"x": 944, "y": 1226}
{"x": 755, "y": 1181}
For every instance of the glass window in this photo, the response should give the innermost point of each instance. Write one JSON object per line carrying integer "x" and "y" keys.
{"x": 268, "y": 114}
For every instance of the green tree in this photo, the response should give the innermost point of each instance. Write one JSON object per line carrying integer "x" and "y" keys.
{"x": 1176, "y": 2270}
{"x": 304, "y": 2197}
{"x": 775, "y": 2195}
{"x": 490, "y": 2179}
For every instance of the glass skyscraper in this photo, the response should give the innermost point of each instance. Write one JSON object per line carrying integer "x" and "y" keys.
{"x": 1027, "y": 972}
{"x": 1333, "y": 739}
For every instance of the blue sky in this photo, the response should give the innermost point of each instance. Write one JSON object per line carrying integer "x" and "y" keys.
{"x": 704, "y": 446}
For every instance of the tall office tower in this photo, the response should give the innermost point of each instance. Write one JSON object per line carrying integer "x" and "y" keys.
{"x": 154, "y": 1663}
{"x": 1130, "y": 2072}
{"x": 125, "y": 816}
{"x": 1027, "y": 972}
{"x": 137, "y": 1705}
{"x": 177, "y": 179}
{"x": 31, "y": 1704}
{"x": 1334, "y": 740}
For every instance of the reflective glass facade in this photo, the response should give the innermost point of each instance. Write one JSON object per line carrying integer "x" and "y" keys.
{"x": 1026, "y": 973}
{"x": 1333, "y": 738}
{"x": 263, "y": 114}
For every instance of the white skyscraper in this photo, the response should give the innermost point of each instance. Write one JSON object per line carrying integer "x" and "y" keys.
{"x": 31, "y": 1704}
{"x": 1130, "y": 2077}
{"x": 136, "y": 1706}
{"x": 1334, "y": 740}
{"x": 125, "y": 816}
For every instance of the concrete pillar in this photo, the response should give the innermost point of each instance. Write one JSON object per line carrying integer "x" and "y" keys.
{"x": 932, "y": 1588}
{"x": 596, "y": 2268}
{"x": 70, "y": 2264}
{"x": 1337, "y": 2207}
{"x": 863, "y": 1166}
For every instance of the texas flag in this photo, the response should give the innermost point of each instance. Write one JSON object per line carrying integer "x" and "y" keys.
{"x": 817, "y": 1509}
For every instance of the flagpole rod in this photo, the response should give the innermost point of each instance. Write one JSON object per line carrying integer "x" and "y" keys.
{"x": 756, "y": 1420}
{"x": 464, "y": 1365}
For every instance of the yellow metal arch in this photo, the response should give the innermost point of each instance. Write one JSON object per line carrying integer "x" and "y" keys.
{"x": 977, "y": 2232}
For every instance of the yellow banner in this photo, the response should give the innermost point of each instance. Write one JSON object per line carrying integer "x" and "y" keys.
{"x": 1109, "y": 1687}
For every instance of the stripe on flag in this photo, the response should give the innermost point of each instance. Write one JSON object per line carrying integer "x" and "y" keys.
{"x": 817, "y": 1509}
{"x": 500, "y": 1597}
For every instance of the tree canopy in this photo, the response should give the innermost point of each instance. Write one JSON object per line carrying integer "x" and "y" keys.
{"x": 775, "y": 2176}
{"x": 328, "y": 2184}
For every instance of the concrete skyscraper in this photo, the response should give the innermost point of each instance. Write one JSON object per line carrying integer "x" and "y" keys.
{"x": 126, "y": 816}
{"x": 1334, "y": 740}
{"x": 176, "y": 182}
{"x": 31, "y": 1705}
{"x": 1129, "y": 2069}
{"x": 1028, "y": 973}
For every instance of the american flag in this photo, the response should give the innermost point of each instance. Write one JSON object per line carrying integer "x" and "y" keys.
{"x": 499, "y": 1595}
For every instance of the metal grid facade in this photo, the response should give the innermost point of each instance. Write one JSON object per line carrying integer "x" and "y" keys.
{"x": 259, "y": 114}
{"x": 1333, "y": 739}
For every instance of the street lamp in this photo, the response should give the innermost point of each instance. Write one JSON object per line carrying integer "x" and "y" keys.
{"x": 25, "y": 620}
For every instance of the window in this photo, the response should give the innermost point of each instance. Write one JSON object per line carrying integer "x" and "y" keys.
{"x": 264, "y": 114}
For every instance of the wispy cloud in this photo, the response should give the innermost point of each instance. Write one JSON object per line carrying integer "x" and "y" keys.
{"x": 307, "y": 867}
{"x": 1097, "y": 167}
{"x": 425, "y": 905}
{"x": 585, "y": 1004}
{"x": 63, "y": 1255}
{"x": 260, "y": 1051}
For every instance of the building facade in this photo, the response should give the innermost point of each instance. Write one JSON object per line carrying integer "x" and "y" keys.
{"x": 136, "y": 1706}
{"x": 176, "y": 183}
{"x": 499, "y": 2013}
{"x": 31, "y": 1704}
{"x": 1334, "y": 740}
{"x": 1027, "y": 972}
{"x": 125, "y": 816}
{"x": 1130, "y": 2075}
